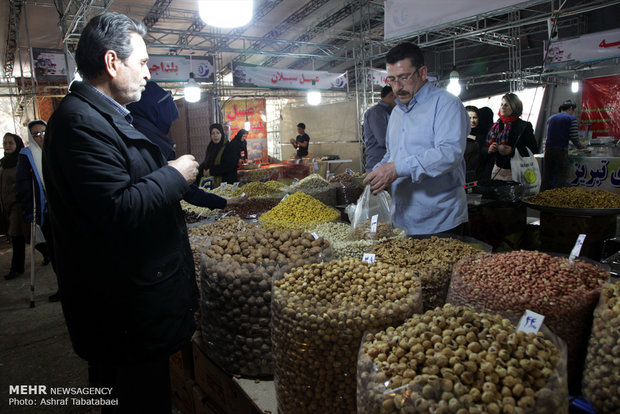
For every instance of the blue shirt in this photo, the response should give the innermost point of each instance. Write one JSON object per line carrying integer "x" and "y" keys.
{"x": 562, "y": 127}
{"x": 426, "y": 141}
{"x": 375, "y": 124}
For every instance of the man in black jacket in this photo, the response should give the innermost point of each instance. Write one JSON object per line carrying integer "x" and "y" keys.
{"x": 124, "y": 262}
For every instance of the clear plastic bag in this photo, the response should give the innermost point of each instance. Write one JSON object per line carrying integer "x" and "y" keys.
{"x": 368, "y": 206}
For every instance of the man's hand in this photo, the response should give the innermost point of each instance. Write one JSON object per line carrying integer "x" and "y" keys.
{"x": 187, "y": 166}
{"x": 294, "y": 142}
{"x": 381, "y": 177}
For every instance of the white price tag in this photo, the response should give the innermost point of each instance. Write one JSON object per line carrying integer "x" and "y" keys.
{"x": 316, "y": 166}
{"x": 530, "y": 322}
{"x": 316, "y": 236}
{"x": 577, "y": 249}
{"x": 369, "y": 257}
{"x": 223, "y": 186}
{"x": 284, "y": 198}
{"x": 242, "y": 195}
{"x": 373, "y": 223}
{"x": 235, "y": 186}
{"x": 295, "y": 181}
{"x": 349, "y": 171}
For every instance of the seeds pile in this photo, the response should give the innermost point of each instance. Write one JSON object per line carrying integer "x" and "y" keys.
{"x": 601, "y": 377}
{"x": 194, "y": 214}
{"x": 236, "y": 277}
{"x": 258, "y": 189}
{"x": 513, "y": 282}
{"x": 348, "y": 190}
{"x": 255, "y": 206}
{"x": 432, "y": 259}
{"x": 363, "y": 231}
{"x": 311, "y": 182}
{"x": 298, "y": 211}
{"x": 320, "y": 312}
{"x": 454, "y": 360}
{"x": 576, "y": 197}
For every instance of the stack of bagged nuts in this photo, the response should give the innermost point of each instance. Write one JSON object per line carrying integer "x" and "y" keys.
{"x": 432, "y": 259}
{"x": 454, "y": 360}
{"x": 601, "y": 377}
{"x": 236, "y": 276}
{"x": 564, "y": 293}
{"x": 319, "y": 314}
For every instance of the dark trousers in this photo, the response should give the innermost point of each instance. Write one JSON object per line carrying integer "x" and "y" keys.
{"x": 140, "y": 388}
{"x": 456, "y": 231}
{"x": 19, "y": 253}
{"x": 555, "y": 168}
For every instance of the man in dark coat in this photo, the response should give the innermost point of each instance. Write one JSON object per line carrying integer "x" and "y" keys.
{"x": 124, "y": 261}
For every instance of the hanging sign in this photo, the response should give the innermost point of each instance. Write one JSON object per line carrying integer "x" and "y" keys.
{"x": 266, "y": 77}
{"x": 236, "y": 112}
{"x": 49, "y": 65}
{"x": 587, "y": 48}
{"x": 377, "y": 77}
{"x": 599, "y": 106}
{"x": 177, "y": 68}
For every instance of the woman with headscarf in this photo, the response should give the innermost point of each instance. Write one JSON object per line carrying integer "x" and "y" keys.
{"x": 13, "y": 220}
{"x": 507, "y": 133}
{"x": 226, "y": 161}
{"x": 214, "y": 152}
{"x": 29, "y": 171}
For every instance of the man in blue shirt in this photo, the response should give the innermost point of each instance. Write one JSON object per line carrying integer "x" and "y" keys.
{"x": 424, "y": 163}
{"x": 375, "y": 125}
{"x": 561, "y": 128}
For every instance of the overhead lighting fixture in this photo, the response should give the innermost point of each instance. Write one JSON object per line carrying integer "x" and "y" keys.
{"x": 192, "y": 90}
{"x": 454, "y": 87}
{"x": 247, "y": 125}
{"x": 314, "y": 95}
{"x": 226, "y": 13}
{"x": 574, "y": 86}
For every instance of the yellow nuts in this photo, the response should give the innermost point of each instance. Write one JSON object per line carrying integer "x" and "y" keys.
{"x": 298, "y": 211}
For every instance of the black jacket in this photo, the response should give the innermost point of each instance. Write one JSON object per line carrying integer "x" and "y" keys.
{"x": 522, "y": 134}
{"x": 227, "y": 168}
{"x": 124, "y": 262}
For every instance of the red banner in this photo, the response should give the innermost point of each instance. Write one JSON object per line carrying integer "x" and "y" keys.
{"x": 600, "y": 108}
{"x": 237, "y": 112}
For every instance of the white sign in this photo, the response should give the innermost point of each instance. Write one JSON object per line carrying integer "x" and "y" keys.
{"x": 316, "y": 236}
{"x": 177, "y": 68}
{"x": 577, "y": 248}
{"x": 373, "y": 223}
{"x": 530, "y": 322}
{"x": 587, "y": 48}
{"x": 369, "y": 257}
{"x": 377, "y": 77}
{"x": 260, "y": 76}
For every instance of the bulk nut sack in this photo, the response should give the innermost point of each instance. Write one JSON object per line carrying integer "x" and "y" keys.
{"x": 601, "y": 376}
{"x": 455, "y": 360}
{"x": 513, "y": 282}
{"x": 236, "y": 280}
{"x": 432, "y": 259}
{"x": 319, "y": 314}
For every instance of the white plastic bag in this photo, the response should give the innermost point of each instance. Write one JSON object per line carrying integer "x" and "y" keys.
{"x": 525, "y": 170}
{"x": 367, "y": 206}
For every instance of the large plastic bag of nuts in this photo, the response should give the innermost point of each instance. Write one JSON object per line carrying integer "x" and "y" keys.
{"x": 513, "y": 282}
{"x": 237, "y": 271}
{"x": 432, "y": 259}
{"x": 453, "y": 359}
{"x": 601, "y": 376}
{"x": 319, "y": 314}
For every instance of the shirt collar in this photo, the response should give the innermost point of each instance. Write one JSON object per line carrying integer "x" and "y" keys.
{"x": 420, "y": 95}
{"x": 124, "y": 112}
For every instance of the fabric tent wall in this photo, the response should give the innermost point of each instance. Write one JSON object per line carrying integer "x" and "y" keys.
{"x": 332, "y": 129}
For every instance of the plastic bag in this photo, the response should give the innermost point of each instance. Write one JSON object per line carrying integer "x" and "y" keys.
{"x": 368, "y": 206}
{"x": 601, "y": 376}
{"x": 525, "y": 170}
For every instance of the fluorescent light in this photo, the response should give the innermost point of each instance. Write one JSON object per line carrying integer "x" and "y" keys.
{"x": 574, "y": 86}
{"x": 454, "y": 87}
{"x": 314, "y": 97}
{"x": 192, "y": 90}
{"x": 226, "y": 13}
{"x": 247, "y": 126}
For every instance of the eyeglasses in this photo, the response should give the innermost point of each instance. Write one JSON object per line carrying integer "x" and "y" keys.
{"x": 38, "y": 134}
{"x": 400, "y": 79}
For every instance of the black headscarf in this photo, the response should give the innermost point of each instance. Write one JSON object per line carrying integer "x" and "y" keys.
{"x": 10, "y": 160}
{"x": 213, "y": 148}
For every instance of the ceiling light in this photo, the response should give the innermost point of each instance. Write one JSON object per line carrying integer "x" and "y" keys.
{"x": 574, "y": 86}
{"x": 454, "y": 87}
{"x": 314, "y": 97}
{"x": 226, "y": 13}
{"x": 192, "y": 90}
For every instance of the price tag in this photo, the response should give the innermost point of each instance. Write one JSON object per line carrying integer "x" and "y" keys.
{"x": 577, "y": 249}
{"x": 373, "y": 223}
{"x": 223, "y": 186}
{"x": 349, "y": 171}
{"x": 242, "y": 194}
{"x": 369, "y": 257}
{"x": 295, "y": 181}
{"x": 235, "y": 186}
{"x": 316, "y": 236}
{"x": 316, "y": 166}
{"x": 284, "y": 198}
{"x": 530, "y": 322}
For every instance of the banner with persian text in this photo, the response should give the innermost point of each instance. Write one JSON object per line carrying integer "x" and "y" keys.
{"x": 592, "y": 47}
{"x": 266, "y": 77}
{"x": 600, "y": 106}
{"x": 237, "y": 112}
{"x": 177, "y": 68}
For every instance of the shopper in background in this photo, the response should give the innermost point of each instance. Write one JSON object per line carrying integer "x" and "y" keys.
{"x": 124, "y": 261}
{"x": 243, "y": 149}
{"x": 13, "y": 222}
{"x": 425, "y": 142}
{"x": 472, "y": 146}
{"x": 561, "y": 128}
{"x": 29, "y": 172}
{"x": 153, "y": 115}
{"x": 224, "y": 168}
{"x": 375, "y": 125}
{"x": 485, "y": 121}
{"x": 507, "y": 133}
{"x": 301, "y": 142}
